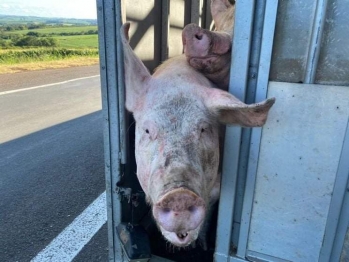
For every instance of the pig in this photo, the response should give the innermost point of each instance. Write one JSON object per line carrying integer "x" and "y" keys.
{"x": 209, "y": 52}
{"x": 178, "y": 113}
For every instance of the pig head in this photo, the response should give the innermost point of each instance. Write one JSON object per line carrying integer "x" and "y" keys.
{"x": 210, "y": 51}
{"x": 178, "y": 113}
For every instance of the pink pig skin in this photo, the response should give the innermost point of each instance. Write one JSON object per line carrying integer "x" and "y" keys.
{"x": 178, "y": 113}
{"x": 210, "y": 51}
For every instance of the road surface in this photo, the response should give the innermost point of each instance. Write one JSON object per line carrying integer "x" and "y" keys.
{"x": 51, "y": 159}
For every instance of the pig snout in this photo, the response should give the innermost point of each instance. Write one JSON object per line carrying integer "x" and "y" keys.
{"x": 208, "y": 52}
{"x": 180, "y": 214}
{"x": 195, "y": 41}
{"x": 200, "y": 42}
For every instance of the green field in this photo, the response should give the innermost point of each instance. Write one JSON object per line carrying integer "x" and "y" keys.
{"x": 80, "y": 46}
{"x": 77, "y": 41}
{"x": 54, "y": 30}
{"x": 67, "y": 41}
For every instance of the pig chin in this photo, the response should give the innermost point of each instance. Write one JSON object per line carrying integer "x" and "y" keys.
{"x": 207, "y": 64}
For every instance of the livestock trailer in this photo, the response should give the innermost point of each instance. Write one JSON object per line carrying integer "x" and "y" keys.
{"x": 285, "y": 188}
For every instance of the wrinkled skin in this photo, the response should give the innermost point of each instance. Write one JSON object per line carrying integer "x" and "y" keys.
{"x": 209, "y": 52}
{"x": 178, "y": 113}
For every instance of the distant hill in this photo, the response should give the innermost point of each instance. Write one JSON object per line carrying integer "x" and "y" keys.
{"x": 12, "y": 19}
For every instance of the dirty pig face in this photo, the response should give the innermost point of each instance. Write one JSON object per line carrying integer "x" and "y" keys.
{"x": 172, "y": 133}
{"x": 177, "y": 156}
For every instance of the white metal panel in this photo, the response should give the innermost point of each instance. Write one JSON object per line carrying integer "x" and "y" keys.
{"x": 333, "y": 65}
{"x": 292, "y": 37}
{"x": 300, "y": 150}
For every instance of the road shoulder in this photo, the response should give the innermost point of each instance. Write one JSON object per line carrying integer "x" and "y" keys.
{"x": 20, "y": 80}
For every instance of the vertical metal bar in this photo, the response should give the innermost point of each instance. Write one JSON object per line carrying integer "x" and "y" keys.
{"x": 107, "y": 157}
{"x": 256, "y": 44}
{"x": 256, "y": 133}
{"x": 342, "y": 229}
{"x": 315, "y": 41}
{"x": 121, "y": 85}
{"x": 244, "y": 12}
{"x": 201, "y": 13}
{"x": 266, "y": 49}
{"x": 250, "y": 98}
{"x": 227, "y": 195}
{"x": 195, "y": 11}
{"x": 109, "y": 81}
{"x": 207, "y": 13}
{"x": 165, "y": 28}
{"x": 336, "y": 205}
{"x": 238, "y": 81}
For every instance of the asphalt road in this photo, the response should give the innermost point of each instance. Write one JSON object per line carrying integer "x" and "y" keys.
{"x": 51, "y": 159}
{"x": 41, "y": 77}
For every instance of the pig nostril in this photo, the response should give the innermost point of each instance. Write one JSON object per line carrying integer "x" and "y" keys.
{"x": 198, "y": 37}
{"x": 192, "y": 209}
{"x": 165, "y": 210}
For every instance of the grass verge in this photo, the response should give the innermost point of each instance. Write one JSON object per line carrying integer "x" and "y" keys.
{"x": 19, "y": 60}
{"x": 54, "y": 64}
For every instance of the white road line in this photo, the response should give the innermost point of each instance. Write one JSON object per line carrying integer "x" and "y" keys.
{"x": 53, "y": 84}
{"x": 75, "y": 236}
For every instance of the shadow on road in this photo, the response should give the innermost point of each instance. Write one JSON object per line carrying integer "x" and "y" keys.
{"x": 48, "y": 178}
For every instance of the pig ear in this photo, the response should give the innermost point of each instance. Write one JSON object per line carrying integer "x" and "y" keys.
{"x": 136, "y": 74}
{"x": 231, "y": 111}
{"x": 219, "y": 6}
{"x": 223, "y": 14}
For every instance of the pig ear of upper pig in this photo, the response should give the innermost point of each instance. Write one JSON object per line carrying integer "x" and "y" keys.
{"x": 219, "y": 6}
{"x": 223, "y": 14}
{"x": 137, "y": 75}
{"x": 231, "y": 111}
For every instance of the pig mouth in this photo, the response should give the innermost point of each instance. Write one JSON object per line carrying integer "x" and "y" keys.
{"x": 182, "y": 239}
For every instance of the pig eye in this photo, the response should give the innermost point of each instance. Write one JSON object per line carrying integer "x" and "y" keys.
{"x": 150, "y": 130}
{"x": 204, "y": 129}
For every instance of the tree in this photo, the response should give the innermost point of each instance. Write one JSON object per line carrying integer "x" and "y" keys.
{"x": 36, "y": 41}
{"x": 9, "y": 28}
{"x": 32, "y": 33}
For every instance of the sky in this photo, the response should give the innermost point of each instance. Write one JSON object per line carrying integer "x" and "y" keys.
{"x": 50, "y": 8}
